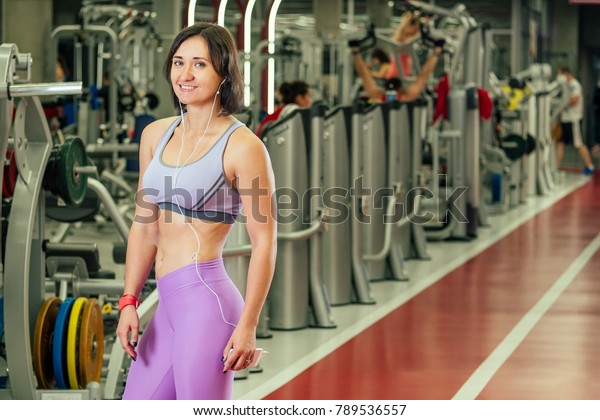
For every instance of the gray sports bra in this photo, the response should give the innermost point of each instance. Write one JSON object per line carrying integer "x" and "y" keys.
{"x": 198, "y": 189}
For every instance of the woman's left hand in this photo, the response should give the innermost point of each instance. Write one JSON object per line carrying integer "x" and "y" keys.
{"x": 240, "y": 348}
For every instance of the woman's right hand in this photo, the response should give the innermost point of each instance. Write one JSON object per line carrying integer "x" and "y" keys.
{"x": 129, "y": 324}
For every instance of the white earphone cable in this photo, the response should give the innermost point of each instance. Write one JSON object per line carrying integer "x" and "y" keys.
{"x": 178, "y": 170}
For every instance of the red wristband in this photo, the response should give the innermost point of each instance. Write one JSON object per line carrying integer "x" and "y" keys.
{"x": 127, "y": 300}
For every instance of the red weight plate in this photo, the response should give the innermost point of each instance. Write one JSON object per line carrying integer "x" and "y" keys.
{"x": 9, "y": 179}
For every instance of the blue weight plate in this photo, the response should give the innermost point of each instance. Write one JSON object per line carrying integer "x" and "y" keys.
{"x": 59, "y": 343}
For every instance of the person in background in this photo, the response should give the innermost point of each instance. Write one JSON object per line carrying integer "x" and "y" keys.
{"x": 295, "y": 94}
{"x": 59, "y": 109}
{"x": 62, "y": 69}
{"x": 407, "y": 30}
{"x": 379, "y": 65}
{"x": 197, "y": 170}
{"x": 406, "y": 93}
{"x": 571, "y": 122}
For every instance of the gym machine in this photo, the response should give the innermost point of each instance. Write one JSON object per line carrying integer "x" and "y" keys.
{"x": 378, "y": 193}
{"x": 406, "y": 128}
{"x": 383, "y": 208}
{"x": 495, "y": 167}
{"x": 405, "y": 169}
{"x": 22, "y": 278}
{"x": 55, "y": 346}
{"x": 550, "y": 97}
{"x": 453, "y": 209}
{"x": 517, "y": 122}
{"x": 281, "y": 54}
{"x": 531, "y": 105}
{"x": 297, "y": 298}
{"x": 335, "y": 184}
{"x": 369, "y": 178}
{"x": 113, "y": 51}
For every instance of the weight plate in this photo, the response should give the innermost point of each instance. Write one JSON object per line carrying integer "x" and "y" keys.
{"x": 73, "y": 342}
{"x": 514, "y": 146}
{"x": 50, "y": 174}
{"x": 91, "y": 343}
{"x": 152, "y": 100}
{"x": 71, "y": 185}
{"x": 9, "y": 179}
{"x": 42, "y": 343}
{"x": 59, "y": 343}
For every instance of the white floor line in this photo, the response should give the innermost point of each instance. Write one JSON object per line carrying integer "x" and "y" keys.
{"x": 272, "y": 379}
{"x": 484, "y": 373}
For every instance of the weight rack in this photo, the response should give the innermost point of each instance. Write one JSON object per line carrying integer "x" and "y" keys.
{"x": 22, "y": 273}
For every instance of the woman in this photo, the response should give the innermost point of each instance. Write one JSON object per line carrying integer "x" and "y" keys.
{"x": 293, "y": 95}
{"x": 407, "y": 31}
{"x": 409, "y": 92}
{"x": 196, "y": 172}
{"x": 380, "y": 65}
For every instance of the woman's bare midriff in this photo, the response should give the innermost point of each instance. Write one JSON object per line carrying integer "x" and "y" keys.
{"x": 177, "y": 245}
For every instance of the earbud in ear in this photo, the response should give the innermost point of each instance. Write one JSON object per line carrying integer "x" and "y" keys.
{"x": 223, "y": 81}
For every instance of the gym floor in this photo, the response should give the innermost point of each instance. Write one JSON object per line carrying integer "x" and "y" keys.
{"x": 512, "y": 314}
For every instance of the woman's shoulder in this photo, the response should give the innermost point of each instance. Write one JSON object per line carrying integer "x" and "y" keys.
{"x": 245, "y": 154}
{"x": 155, "y": 131}
{"x": 244, "y": 137}
{"x": 159, "y": 126}
{"x": 243, "y": 142}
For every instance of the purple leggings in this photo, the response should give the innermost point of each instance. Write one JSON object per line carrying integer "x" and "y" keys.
{"x": 180, "y": 350}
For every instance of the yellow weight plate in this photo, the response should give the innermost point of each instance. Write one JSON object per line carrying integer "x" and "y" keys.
{"x": 42, "y": 343}
{"x": 106, "y": 308}
{"x": 91, "y": 343}
{"x": 73, "y": 342}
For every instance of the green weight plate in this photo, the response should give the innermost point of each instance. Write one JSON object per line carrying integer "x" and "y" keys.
{"x": 91, "y": 343}
{"x": 59, "y": 343}
{"x": 42, "y": 343}
{"x": 71, "y": 185}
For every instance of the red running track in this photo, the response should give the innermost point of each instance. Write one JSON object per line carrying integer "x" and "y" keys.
{"x": 430, "y": 346}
